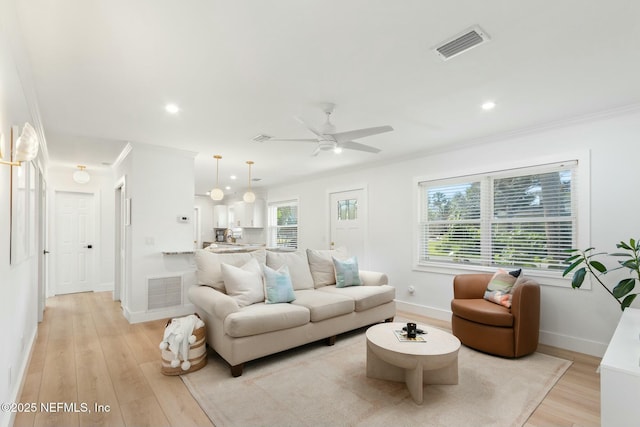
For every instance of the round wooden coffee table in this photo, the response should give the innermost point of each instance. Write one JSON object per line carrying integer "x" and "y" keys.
{"x": 416, "y": 363}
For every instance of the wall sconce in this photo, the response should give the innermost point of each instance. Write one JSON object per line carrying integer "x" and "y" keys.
{"x": 217, "y": 193}
{"x": 249, "y": 196}
{"x": 81, "y": 176}
{"x": 26, "y": 147}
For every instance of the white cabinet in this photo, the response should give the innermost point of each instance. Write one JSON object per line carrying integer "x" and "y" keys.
{"x": 249, "y": 215}
{"x": 620, "y": 374}
{"x": 220, "y": 216}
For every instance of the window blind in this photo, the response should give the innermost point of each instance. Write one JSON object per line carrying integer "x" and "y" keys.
{"x": 519, "y": 217}
{"x": 283, "y": 224}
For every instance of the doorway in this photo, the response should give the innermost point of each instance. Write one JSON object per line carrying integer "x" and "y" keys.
{"x": 348, "y": 222}
{"x": 74, "y": 242}
{"x": 122, "y": 221}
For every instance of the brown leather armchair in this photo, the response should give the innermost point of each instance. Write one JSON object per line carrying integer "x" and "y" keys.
{"x": 490, "y": 327}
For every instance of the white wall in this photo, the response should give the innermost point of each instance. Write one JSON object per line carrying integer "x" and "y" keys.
{"x": 102, "y": 186}
{"x": 18, "y": 283}
{"x": 160, "y": 184}
{"x": 206, "y": 218}
{"x": 581, "y": 320}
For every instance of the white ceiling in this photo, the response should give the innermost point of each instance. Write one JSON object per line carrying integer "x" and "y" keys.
{"x": 104, "y": 70}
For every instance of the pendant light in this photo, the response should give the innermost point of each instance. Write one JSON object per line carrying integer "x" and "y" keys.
{"x": 217, "y": 193}
{"x": 81, "y": 176}
{"x": 26, "y": 148}
{"x": 249, "y": 196}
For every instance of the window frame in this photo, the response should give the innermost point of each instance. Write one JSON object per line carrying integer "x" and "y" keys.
{"x": 272, "y": 225}
{"x": 581, "y": 208}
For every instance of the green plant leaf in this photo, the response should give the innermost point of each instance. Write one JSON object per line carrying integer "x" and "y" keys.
{"x": 578, "y": 277}
{"x": 623, "y": 245}
{"x": 624, "y": 287}
{"x": 572, "y": 266}
{"x": 622, "y": 254}
{"x": 570, "y": 250}
{"x": 632, "y": 243}
{"x": 598, "y": 266}
{"x": 571, "y": 258}
{"x": 626, "y": 302}
{"x": 588, "y": 249}
{"x": 631, "y": 264}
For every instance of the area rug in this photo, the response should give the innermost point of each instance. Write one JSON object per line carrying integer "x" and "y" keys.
{"x": 318, "y": 385}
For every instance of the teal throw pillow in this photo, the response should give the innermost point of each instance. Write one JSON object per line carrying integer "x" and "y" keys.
{"x": 346, "y": 272}
{"x": 500, "y": 287}
{"x": 278, "y": 286}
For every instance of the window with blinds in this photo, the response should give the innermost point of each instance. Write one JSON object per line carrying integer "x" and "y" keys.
{"x": 521, "y": 217}
{"x": 283, "y": 224}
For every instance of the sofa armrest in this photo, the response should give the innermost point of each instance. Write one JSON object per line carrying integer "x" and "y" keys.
{"x": 213, "y": 301}
{"x": 470, "y": 286}
{"x": 373, "y": 278}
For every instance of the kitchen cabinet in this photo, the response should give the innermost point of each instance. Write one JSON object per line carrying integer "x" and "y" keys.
{"x": 249, "y": 215}
{"x": 220, "y": 216}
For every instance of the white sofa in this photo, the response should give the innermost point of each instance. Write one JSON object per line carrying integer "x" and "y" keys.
{"x": 240, "y": 331}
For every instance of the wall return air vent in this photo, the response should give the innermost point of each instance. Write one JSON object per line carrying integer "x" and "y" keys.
{"x": 462, "y": 42}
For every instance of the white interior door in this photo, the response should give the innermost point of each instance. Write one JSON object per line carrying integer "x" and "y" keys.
{"x": 348, "y": 222}
{"x": 43, "y": 248}
{"x": 75, "y": 225}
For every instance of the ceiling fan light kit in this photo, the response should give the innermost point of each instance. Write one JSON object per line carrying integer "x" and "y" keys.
{"x": 327, "y": 138}
{"x": 217, "y": 194}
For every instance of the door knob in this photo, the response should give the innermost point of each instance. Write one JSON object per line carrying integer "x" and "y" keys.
{"x": 89, "y": 246}
{"x": 46, "y": 252}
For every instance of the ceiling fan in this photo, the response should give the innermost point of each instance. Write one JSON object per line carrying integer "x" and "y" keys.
{"x": 328, "y": 139}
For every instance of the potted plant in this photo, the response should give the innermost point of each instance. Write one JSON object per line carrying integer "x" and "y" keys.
{"x": 585, "y": 260}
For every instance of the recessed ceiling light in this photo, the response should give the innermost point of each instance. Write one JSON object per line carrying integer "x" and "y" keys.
{"x": 172, "y": 108}
{"x": 227, "y": 188}
{"x": 232, "y": 177}
{"x": 489, "y": 105}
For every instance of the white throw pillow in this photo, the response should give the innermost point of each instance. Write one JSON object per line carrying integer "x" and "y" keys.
{"x": 244, "y": 284}
{"x": 209, "y": 271}
{"x": 321, "y": 265}
{"x": 297, "y": 264}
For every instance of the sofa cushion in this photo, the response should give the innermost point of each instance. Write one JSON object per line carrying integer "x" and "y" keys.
{"x": 297, "y": 264}
{"x": 482, "y": 311}
{"x": 324, "y": 305}
{"x": 365, "y": 297}
{"x": 347, "y": 272}
{"x": 209, "y": 265}
{"x": 277, "y": 285}
{"x": 321, "y": 265}
{"x": 261, "y": 318}
{"x": 244, "y": 284}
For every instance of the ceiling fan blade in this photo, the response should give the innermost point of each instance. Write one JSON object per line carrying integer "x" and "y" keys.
{"x": 295, "y": 139}
{"x": 307, "y": 125}
{"x": 352, "y": 145}
{"x": 360, "y": 133}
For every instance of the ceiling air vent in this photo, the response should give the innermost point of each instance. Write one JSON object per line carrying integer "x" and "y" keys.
{"x": 462, "y": 42}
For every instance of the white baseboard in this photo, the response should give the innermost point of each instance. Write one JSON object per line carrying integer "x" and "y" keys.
{"x": 553, "y": 339}
{"x": 146, "y": 316}
{"x": 16, "y": 391}
{"x": 103, "y": 287}
{"x": 580, "y": 345}
{"x": 423, "y": 310}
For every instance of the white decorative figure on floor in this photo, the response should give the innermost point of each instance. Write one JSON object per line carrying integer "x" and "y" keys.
{"x": 178, "y": 336}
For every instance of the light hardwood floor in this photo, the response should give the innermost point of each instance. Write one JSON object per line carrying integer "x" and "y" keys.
{"x": 86, "y": 352}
